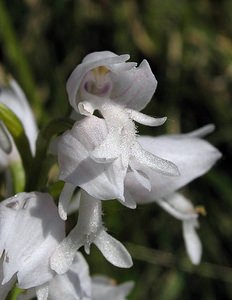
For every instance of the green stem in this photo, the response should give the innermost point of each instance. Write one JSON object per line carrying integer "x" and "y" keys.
{"x": 15, "y": 292}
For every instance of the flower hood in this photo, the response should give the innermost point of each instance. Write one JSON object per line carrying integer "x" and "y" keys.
{"x": 107, "y": 75}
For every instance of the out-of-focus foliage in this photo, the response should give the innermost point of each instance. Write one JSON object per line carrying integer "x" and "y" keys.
{"x": 189, "y": 47}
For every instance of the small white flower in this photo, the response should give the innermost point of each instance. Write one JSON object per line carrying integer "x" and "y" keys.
{"x": 105, "y": 82}
{"x": 30, "y": 230}
{"x": 14, "y": 98}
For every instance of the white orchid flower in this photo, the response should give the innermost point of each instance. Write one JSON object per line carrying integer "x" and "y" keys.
{"x": 14, "y": 98}
{"x": 118, "y": 90}
{"x": 194, "y": 157}
{"x": 89, "y": 229}
{"x": 30, "y": 231}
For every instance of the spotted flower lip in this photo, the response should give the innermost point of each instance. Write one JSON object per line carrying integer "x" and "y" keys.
{"x": 107, "y": 75}
{"x": 32, "y": 220}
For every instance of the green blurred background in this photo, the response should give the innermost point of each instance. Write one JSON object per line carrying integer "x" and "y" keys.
{"x": 189, "y": 47}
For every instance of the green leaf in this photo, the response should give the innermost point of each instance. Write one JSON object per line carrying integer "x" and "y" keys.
{"x": 14, "y": 293}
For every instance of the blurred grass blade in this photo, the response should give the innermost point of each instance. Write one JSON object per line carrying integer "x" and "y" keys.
{"x": 11, "y": 47}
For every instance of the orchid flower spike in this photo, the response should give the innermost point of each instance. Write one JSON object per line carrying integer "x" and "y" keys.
{"x": 89, "y": 229}
{"x": 194, "y": 157}
{"x": 32, "y": 220}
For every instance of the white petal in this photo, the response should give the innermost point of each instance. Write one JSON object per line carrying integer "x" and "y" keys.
{"x": 85, "y": 108}
{"x": 202, "y": 132}
{"x": 178, "y": 206}
{"x": 74, "y": 284}
{"x": 108, "y": 150}
{"x": 129, "y": 201}
{"x": 103, "y": 181}
{"x": 134, "y": 88}
{"x": 113, "y": 250}
{"x": 192, "y": 156}
{"x": 142, "y": 178}
{"x": 63, "y": 256}
{"x": 144, "y": 119}
{"x": 139, "y": 156}
{"x": 101, "y": 56}
{"x": 84, "y": 233}
{"x": 181, "y": 208}
{"x": 64, "y": 200}
{"x": 192, "y": 241}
